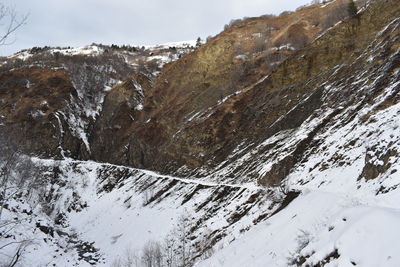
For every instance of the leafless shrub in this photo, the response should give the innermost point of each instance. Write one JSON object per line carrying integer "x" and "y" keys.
{"x": 238, "y": 73}
{"x": 148, "y": 195}
{"x": 142, "y": 66}
{"x": 129, "y": 259}
{"x": 268, "y": 16}
{"x": 13, "y": 259}
{"x": 233, "y": 23}
{"x": 362, "y": 3}
{"x": 283, "y": 188}
{"x": 301, "y": 7}
{"x": 176, "y": 250}
{"x": 303, "y": 239}
{"x": 284, "y": 13}
{"x": 9, "y": 23}
{"x": 181, "y": 233}
{"x": 260, "y": 44}
{"x": 169, "y": 250}
{"x": 204, "y": 245}
{"x": 18, "y": 176}
{"x": 295, "y": 37}
{"x": 281, "y": 192}
{"x": 152, "y": 255}
{"x": 153, "y": 66}
{"x": 337, "y": 13}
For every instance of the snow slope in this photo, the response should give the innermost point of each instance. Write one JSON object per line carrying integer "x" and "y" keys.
{"x": 312, "y": 228}
{"x": 115, "y": 209}
{"x": 107, "y": 210}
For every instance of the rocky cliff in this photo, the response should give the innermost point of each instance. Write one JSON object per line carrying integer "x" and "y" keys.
{"x": 207, "y": 129}
{"x": 52, "y": 97}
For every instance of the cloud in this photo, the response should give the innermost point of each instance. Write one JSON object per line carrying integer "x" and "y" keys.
{"x": 77, "y": 22}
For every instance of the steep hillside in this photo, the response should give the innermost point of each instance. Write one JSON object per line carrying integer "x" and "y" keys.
{"x": 97, "y": 213}
{"x": 51, "y": 97}
{"x": 233, "y": 61}
{"x": 279, "y": 101}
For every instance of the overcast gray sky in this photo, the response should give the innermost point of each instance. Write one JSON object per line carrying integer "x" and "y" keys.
{"x": 134, "y": 22}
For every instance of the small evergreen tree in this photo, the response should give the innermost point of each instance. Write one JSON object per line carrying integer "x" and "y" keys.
{"x": 198, "y": 42}
{"x": 352, "y": 9}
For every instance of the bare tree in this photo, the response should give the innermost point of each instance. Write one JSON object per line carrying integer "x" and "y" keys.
{"x": 129, "y": 259}
{"x": 132, "y": 259}
{"x": 148, "y": 255}
{"x": 176, "y": 250}
{"x": 19, "y": 176}
{"x": 158, "y": 255}
{"x": 152, "y": 255}
{"x": 10, "y": 22}
{"x": 8, "y": 160}
{"x": 182, "y": 232}
{"x": 18, "y": 173}
{"x": 169, "y": 251}
{"x": 13, "y": 259}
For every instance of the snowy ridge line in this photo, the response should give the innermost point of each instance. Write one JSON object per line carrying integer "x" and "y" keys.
{"x": 179, "y": 44}
{"x": 250, "y": 186}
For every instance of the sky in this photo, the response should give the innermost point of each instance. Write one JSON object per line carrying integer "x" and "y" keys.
{"x": 133, "y": 22}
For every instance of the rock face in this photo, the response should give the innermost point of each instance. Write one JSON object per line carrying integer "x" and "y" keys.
{"x": 113, "y": 127}
{"x": 298, "y": 89}
{"x": 31, "y": 100}
{"x": 234, "y": 108}
{"x": 52, "y": 98}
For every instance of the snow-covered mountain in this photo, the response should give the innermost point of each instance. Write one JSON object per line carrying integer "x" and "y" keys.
{"x": 276, "y": 143}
